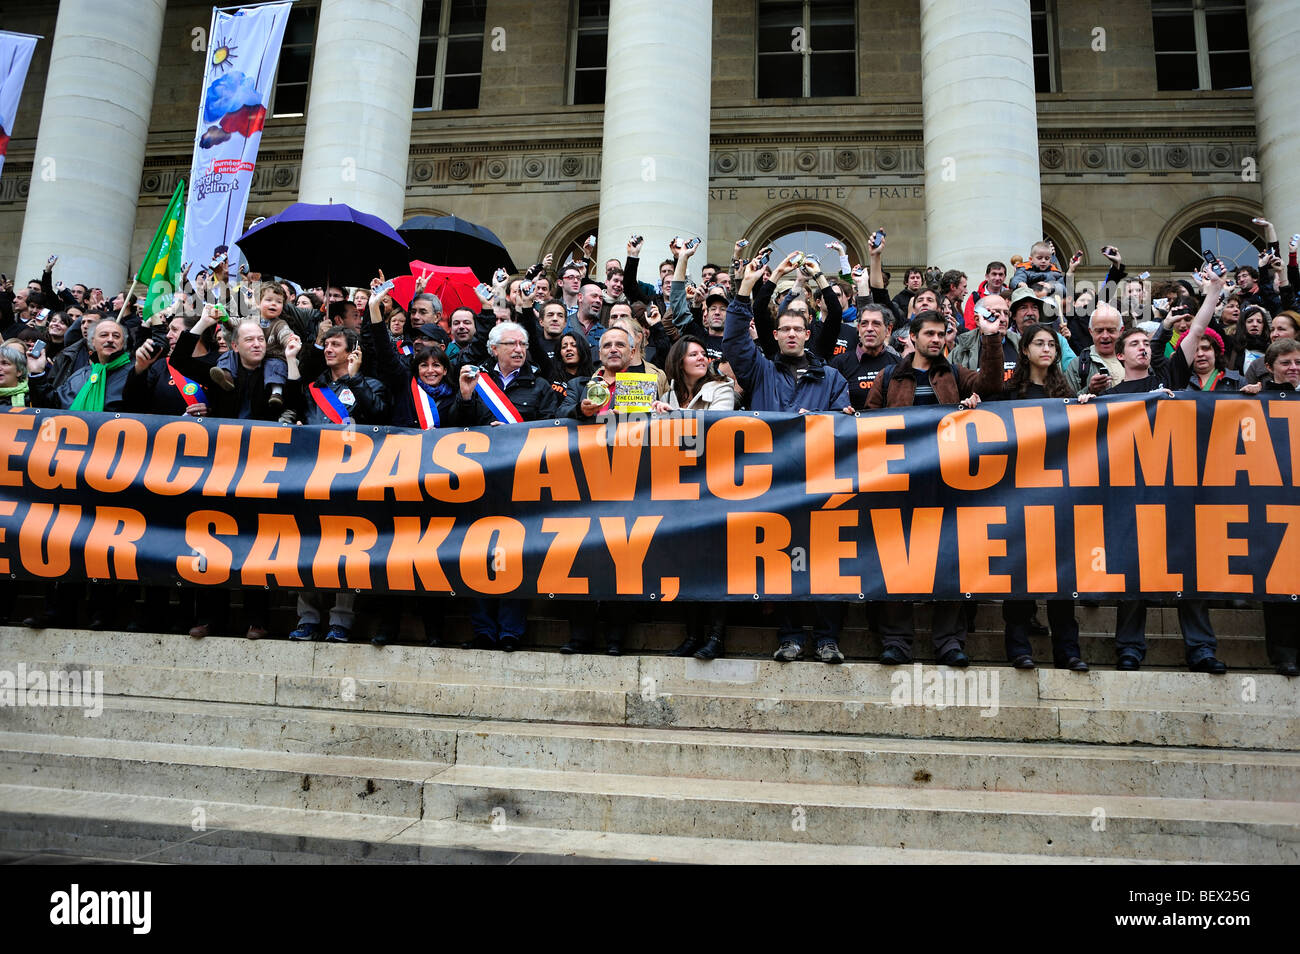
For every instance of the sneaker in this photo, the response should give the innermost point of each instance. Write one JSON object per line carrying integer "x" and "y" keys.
{"x": 788, "y": 651}
{"x": 337, "y": 634}
{"x": 828, "y": 651}
{"x": 305, "y": 633}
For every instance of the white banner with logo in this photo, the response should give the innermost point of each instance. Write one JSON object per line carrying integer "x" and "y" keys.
{"x": 243, "y": 51}
{"x": 15, "y": 56}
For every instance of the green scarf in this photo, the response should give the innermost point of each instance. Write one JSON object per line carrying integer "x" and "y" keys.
{"x": 91, "y": 395}
{"x": 17, "y": 394}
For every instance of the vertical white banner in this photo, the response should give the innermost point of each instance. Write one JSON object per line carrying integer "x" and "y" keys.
{"x": 15, "y": 56}
{"x": 243, "y": 51}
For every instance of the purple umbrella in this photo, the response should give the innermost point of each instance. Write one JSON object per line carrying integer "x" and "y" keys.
{"x": 324, "y": 244}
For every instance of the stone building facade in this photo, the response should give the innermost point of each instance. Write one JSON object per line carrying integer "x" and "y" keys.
{"x": 1042, "y": 115}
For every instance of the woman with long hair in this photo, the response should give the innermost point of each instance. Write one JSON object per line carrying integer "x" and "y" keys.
{"x": 573, "y": 357}
{"x": 1037, "y": 374}
{"x": 694, "y": 384}
{"x": 1250, "y": 337}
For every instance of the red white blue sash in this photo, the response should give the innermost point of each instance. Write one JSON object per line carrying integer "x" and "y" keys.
{"x": 496, "y": 400}
{"x": 426, "y": 409}
{"x": 191, "y": 391}
{"x": 329, "y": 403}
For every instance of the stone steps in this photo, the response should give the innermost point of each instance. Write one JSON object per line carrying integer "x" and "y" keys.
{"x": 348, "y": 752}
{"x": 1171, "y": 829}
{"x": 630, "y": 750}
{"x": 130, "y": 828}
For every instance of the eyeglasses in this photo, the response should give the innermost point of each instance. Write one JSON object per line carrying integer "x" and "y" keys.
{"x": 514, "y": 344}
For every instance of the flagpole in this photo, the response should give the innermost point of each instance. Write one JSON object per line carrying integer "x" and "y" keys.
{"x": 250, "y": 6}
{"x": 126, "y": 299}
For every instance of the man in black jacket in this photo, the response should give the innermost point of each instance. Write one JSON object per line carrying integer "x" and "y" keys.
{"x": 339, "y": 394}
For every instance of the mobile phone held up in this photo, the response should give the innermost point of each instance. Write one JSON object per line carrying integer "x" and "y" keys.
{"x": 1213, "y": 262}
{"x": 877, "y": 238}
{"x": 691, "y": 243}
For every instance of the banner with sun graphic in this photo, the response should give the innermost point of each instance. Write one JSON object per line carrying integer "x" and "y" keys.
{"x": 15, "y": 56}
{"x": 243, "y": 51}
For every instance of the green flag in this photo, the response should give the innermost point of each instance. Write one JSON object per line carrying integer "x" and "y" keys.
{"x": 160, "y": 270}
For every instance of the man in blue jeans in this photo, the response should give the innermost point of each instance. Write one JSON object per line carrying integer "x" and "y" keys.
{"x": 795, "y": 381}
{"x": 1193, "y": 621}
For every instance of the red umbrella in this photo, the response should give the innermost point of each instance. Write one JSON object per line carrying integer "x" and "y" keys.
{"x": 453, "y": 284}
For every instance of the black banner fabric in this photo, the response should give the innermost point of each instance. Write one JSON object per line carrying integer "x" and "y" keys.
{"x": 1193, "y": 495}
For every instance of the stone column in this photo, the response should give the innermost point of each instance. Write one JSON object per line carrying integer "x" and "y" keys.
{"x": 359, "y": 106}
{"x": 654, "y": 176}
{"x": 1275, "y": 73}
{"x": 91, "y": 142}
{"x": 982, "y": 198}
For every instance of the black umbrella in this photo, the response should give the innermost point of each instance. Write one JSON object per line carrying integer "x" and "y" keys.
{"x": 448, "y": 240}
{"x": 324, "y": 244}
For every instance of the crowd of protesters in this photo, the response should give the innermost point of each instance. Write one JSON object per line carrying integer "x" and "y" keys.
{"x": 759, "y": 334}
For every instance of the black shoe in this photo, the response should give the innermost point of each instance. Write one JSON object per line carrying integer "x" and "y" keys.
{"x": 382, "y": 637}
{"x": 573, "y": 647}
{"x": 41, "y": 621}
{"x": 788, "y": 651}
{"x": 893, "y": 656}
{"x": 1023, "y": 662}
{"x": 1289, "y": 669}
{"x": 478, "y": 642}
{"x": 508, "y": 644}
{"x": 688, "y": 647}
{"x": 828, "y": 651}
{"x": 1128, "y": 664}
{"x": 713, "y": 649}
{"x": 1075, "y": 664}
{"x": 614, "y": 649}
{"x": 1210, "y": 665}
{"x": 1035, "y": 627}
{"x": 100, "y": 625}
{"x": 954, "y": 657}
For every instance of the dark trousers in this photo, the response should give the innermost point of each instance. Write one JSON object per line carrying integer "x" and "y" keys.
{"x": 496, "y": 618}
{"x": 1193, "y": 619}
{"x": 827, "y": 618}
{"x": 897, "y": 626}
{"x": 430, "y": 611}
{"x": 586, "y": 617}
{"x": 701, "y": 617}
{"x": 1016, "y": 614}
{"x": 212, "y": 608}
{"x": 1282, "y": 631}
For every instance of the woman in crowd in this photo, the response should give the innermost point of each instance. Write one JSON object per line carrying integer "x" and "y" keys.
{"x": 1038, "y": 374}
{"x": 573, "y": 357}
{"x": 1251, "y": 338}
{"x": 694, "y": 384}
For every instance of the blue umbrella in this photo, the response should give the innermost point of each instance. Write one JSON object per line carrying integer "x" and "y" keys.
{"x": 448, "y": 240}
{"x": 324, "y": 244}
